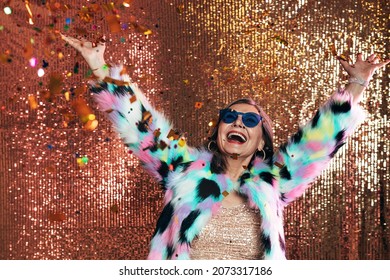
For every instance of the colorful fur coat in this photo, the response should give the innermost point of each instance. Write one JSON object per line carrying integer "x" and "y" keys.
{"x": 194, "y": 189}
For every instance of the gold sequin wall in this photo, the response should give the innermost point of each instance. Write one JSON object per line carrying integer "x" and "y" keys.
{"x": 69, "y": 191}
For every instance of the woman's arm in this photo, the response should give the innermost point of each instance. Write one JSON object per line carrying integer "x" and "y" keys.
{"x": 360, "y": 74}
{"x": 144, "y": 130}
{"x": 308, "y": 152}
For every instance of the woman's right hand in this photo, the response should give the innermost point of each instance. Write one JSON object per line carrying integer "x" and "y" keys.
{"x": 92, "y": 53}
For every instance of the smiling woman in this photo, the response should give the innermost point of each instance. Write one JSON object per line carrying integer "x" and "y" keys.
{"x": 237, "y": 169}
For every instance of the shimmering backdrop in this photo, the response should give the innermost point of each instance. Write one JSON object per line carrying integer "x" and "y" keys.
{"x": 68, "y": 191}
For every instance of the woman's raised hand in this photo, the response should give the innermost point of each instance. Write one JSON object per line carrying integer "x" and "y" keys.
{"x": 363, "y": 70}
{"x": 93, "y": 53}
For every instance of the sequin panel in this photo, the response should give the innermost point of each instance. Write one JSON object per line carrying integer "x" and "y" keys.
{"x": 232, "y": 234}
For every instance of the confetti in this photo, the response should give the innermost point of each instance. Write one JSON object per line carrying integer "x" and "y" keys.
{"x": 147, "y": 117}
{"x": 5, "y": 57}
{"x": 76, "y": 68}
{"x": 55, "y": 84}
{"x": 127, "y": 3}
{"x": 182, "y": 142}
{"x": 173, "y": 135}
{"x": 57, "y": 217}
{"x": 33, "y": 62}
{"x": 180, "y": 8}
{"x": 7, "y": 10}
{"x": 113, "y": 23}
{"x": 82, "y": 161}
{"x": 114, "y": 208}
{"x": 85, "y": 113}
{"x": 30, "y": 21}
{"x": 234, "y": 156}
{"x": 198, "y": 105}
{"x": 157, "y": 133}
{"x": 133, "y": 99}
{"x": 162, "y": 145}
{"x": 41, "y": 72}
{"x": 85, "y": 15}
{"x": 32, "y": 101}
{"x": 281, "y": 40}
{"x": 28, "y": 50}
{"x": 212, "y": 123}
{"x": 139, "y": 28}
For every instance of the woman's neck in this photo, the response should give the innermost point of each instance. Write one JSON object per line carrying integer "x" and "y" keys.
{"x": 235, "y": 166}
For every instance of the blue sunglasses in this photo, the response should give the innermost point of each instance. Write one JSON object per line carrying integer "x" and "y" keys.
{"x": 249, "y": 119}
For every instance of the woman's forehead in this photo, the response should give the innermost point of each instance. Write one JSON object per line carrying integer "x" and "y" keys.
{"x": 245, "y": 108}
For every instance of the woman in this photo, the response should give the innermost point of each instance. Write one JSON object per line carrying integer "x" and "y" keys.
{"x": 225, "y": 200}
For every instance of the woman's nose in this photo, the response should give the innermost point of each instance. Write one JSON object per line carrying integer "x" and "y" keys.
{"x": 238, "y": 122}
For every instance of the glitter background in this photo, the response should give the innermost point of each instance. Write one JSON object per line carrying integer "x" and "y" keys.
{"x": 67, "y": 192}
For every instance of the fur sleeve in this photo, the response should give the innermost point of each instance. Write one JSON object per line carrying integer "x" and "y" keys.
{"x": 299, "y": 161}
{"x": 144, "y": 130}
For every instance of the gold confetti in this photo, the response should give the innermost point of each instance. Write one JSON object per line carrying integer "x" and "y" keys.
{"x": 80, "y": 106}
{"x": 32, "y": 101}
{"x": 28, "y": 51}
{"x": 225, "y": 193}
{"x": 157, "y": 133}
{"x": 182, "y": 142}
{"x": 147, "y": 117}
{"x": 180, "y": 8}
{"x": 113, "y": 23}
{"x": 212, "y": 123}
{"x": 173, "y": 135}
{"x": 139, "y": 28}
{"x": 29, "y": 12}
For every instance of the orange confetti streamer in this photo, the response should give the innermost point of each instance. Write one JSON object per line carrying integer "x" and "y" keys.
{"x": 32, "y": 101}
{"x": 57, "y": 217}
{"x": 28, "y": 50}
{"x": 113, "y": 23}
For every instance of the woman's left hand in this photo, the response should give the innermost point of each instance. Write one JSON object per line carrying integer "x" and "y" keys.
{"x": 363, "y": 69}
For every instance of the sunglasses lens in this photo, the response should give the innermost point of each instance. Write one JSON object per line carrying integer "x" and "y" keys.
{"x": 251, "y": 119}
{"x": 229, "y": 116}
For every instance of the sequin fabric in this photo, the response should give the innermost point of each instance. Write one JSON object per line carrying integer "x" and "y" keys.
{"x": 232, "y": 234}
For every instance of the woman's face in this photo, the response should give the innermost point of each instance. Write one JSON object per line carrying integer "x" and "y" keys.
{"x": 235, "y": 139}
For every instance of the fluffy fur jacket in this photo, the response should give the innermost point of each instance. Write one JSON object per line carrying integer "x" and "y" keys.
{"x": 194, "y": 190}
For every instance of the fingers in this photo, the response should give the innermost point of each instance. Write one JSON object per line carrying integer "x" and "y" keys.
{"x": 381, "y": 64}
{"x": 77, "y": 44}
{"x": 371, "y": 58}
{"x": 345, "y": 64}
{"x": 359, "y": 57}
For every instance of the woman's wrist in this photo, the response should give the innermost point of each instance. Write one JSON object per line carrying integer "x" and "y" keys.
{"x": 102, "y": 71}
{"x": 359, "y": 81}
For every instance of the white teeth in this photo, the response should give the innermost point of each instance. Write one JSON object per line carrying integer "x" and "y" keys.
{"x": 236, "y": 135}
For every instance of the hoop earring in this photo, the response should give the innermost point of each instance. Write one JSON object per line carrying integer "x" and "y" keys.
{"x": 263, "y": 152}
{"x": 212, "y": 142}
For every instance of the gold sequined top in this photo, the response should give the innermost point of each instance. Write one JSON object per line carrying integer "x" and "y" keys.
{"x": 232, "y": 234}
